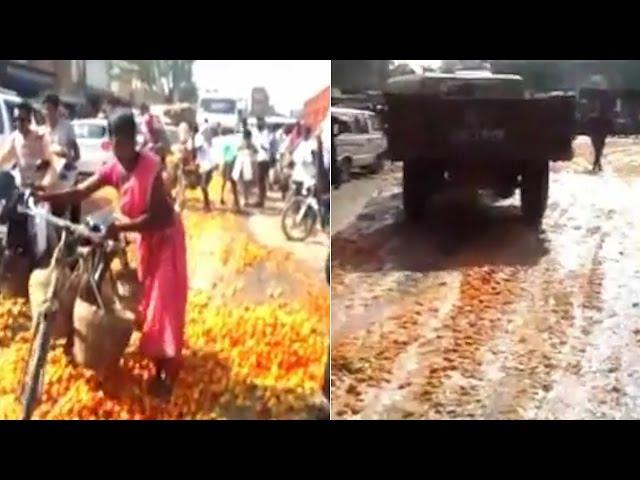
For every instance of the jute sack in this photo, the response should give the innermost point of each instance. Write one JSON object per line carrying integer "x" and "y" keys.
{"x": 127, "y": 285}
{"x": 101, "y": 331}
{"x": 68, "y": 283}
{"x": 39, "y": 283}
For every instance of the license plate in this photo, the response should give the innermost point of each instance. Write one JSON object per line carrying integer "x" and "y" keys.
{"x": 478, "y": 135}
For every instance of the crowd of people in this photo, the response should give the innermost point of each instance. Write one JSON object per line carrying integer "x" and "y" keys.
{"x": 255, "y": 159}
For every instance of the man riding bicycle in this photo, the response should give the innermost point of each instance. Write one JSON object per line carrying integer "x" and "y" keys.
{"x": 27, "y": 151}
{"x": 27, "y": 154}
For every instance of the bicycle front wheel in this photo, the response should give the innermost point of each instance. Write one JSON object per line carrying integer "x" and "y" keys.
{"x": 34, "y": 375}
{"x": 298, "y": 219}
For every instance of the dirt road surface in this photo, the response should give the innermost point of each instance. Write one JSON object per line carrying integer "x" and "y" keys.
{"x": 472, "y": 315}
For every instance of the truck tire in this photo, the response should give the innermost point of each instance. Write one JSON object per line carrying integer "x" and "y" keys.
{"x": 345, "y": 170}
{"x": 534, "y": 192}
{"x": 378, "y": 165}
{"x": 415, "y": 190}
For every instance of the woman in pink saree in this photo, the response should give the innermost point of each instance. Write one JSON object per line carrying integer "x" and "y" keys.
{"x": 161, "y": 244}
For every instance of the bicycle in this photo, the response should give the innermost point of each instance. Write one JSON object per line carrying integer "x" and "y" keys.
{"x": 302, "y": 213}
{"x": 99, "y": 252}
{"x": 23, "y": 245}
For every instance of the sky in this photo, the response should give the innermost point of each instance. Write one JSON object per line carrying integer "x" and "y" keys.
{"x": 289, "y": 82}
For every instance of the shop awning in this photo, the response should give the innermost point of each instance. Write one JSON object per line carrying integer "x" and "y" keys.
{"x": 27, "y": 81}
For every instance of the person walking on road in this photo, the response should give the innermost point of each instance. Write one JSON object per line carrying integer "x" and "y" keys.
{"x": 208, "y": 160}
{"x": 262, "y": 140}
{"x": 154, "y": 135}
{"x": 599, "y": 126}
{"x": 162, "y": 267}
{"x": 229, "y": 152}
{"x": 243, "y": 167}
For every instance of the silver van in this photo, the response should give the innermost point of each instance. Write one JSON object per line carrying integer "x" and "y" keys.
{"x": 360, "y": 143}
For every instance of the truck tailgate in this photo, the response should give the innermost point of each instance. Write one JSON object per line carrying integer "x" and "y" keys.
{"x": 426, "y": 127}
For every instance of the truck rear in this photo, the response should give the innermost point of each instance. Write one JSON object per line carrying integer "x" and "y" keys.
{"x": 476, "y": 131}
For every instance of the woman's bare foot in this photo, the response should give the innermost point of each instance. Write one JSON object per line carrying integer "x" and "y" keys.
{"x": 161, "y": 389}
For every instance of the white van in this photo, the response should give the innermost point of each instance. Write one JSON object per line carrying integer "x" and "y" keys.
{"x": 361, "y": 142}
{"x": 216, "y": 109}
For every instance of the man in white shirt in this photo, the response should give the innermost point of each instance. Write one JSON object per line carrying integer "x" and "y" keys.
{"x": 27, "y": 150}
{"x": 209, "y": 152}
{"x": 262, "y": 141}
{"x": 304, "y": 170}
{"x": 28, "y": 154}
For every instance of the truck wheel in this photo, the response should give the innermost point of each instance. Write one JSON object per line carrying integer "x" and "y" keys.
{"x": 414, "y": 190}
{"x": 378, "y": 165}
{"x": 345, "y": 170}
{"x": 534, "y": 192}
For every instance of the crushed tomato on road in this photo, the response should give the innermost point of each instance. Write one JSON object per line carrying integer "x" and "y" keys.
{"x": 474, "y": 316}
{"x": 256, "y": 339}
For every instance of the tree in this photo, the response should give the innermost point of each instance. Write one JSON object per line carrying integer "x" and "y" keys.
{"x": 359, "y": 75}
{"x": 401, "y": 69}
{"x": 173, "y": 77}
{"x": 187, "y": 93}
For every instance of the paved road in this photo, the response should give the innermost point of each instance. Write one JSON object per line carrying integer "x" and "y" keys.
{"x": 348, "y": 201}
{"x": 472, "y": 315}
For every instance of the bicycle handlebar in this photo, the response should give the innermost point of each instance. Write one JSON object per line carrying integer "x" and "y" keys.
{"x": 30, "y": 208}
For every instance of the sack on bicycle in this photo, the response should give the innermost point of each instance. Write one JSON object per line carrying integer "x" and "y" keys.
{"x": 39, "y": 283}
{"x": 102, "y": 327}
{"x": 128, "y": 288}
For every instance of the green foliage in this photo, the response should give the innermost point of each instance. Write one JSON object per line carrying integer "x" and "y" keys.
{"x": 175, "y": 75}
{"x": 400, "y": 70}
{"x": 358, "y": 75}
{"x": 547, "y": 75}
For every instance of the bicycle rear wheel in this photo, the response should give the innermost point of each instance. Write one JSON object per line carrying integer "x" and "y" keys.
{"x": 34, "y": 374}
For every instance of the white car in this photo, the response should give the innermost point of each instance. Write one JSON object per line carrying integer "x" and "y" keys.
{"x": 8, "y": 101}
{"x": 92, "y": 135}
{"x": 360, "y": 143}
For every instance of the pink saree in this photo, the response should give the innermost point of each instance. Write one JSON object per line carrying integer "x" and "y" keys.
{"x": 162, "y": 268}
